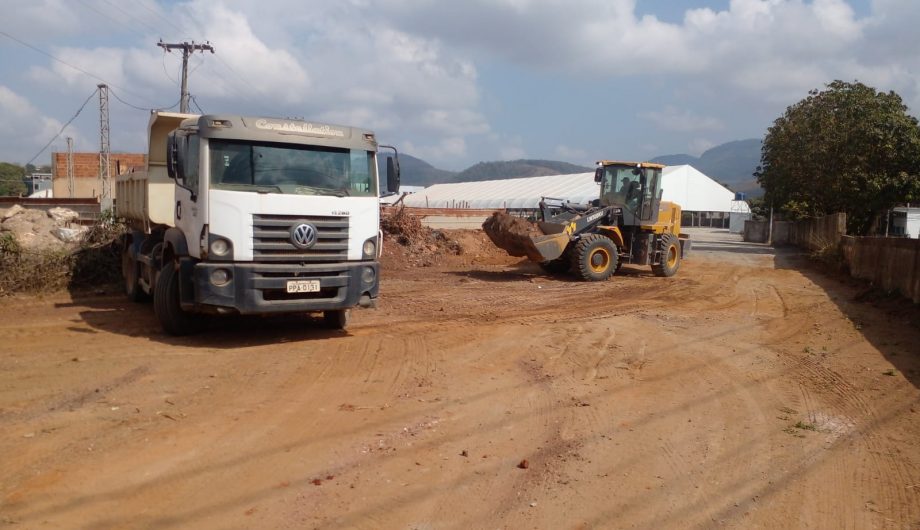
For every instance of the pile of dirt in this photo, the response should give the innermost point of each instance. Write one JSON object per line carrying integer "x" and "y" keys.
{"x": 512, "y": 234}
{"x": 408, "y": 243}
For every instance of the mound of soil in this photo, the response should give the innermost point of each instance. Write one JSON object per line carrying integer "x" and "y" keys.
{"x": 513, "y": 234}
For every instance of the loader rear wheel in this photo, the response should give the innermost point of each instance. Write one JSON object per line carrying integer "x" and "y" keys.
{"x": 670, "y": 256}
{"x": 594, "y": 258}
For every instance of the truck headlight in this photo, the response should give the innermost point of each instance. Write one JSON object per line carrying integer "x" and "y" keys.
{"x": 369, "y": 250}
{"x": 368, "y": 275}
{"x": 220, "y": 277}
{"x": 220, "y": 247}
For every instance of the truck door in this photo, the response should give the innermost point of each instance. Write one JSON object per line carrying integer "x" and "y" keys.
{"x": 190, "y": 199}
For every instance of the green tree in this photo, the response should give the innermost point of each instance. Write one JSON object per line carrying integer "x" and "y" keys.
{"x": 848, "y": 148}
{"x": 11, "y": 176}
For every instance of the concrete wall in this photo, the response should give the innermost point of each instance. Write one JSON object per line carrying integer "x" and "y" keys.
{"x": 812, "y": 234}
{"x": 892, "y": 264}
{"x": 756, "y": 231}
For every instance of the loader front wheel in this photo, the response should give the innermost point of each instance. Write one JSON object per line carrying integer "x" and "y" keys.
{"x": 594, "y": 258}
{"x": 670, "y": 256}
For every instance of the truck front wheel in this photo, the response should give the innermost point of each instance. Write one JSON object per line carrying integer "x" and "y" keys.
{"x": 166, "y": 304}
{"x": 337, "y": 319}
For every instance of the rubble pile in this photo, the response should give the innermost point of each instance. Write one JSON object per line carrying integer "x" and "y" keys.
{"x": 36, "y": 230}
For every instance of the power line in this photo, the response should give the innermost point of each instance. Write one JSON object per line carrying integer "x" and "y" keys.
{"x": 133, "y": 106}
{"x": 62, "y": 128}
{"x": 65, "y": 63}
{"x": 188, "y": 48}
{"x": 195, "y": 101}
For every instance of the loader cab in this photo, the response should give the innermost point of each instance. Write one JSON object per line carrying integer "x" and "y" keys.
{"x": 633, "y": 186}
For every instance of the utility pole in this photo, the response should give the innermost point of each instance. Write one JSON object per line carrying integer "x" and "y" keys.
{"x": 105, "y": 170}
{"x": 187, "y": 48}
{"x": 70, "y": 189}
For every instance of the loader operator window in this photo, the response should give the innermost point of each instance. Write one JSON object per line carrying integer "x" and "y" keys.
{"x": 621, "y": 187}
{"x": 292, "y": 169}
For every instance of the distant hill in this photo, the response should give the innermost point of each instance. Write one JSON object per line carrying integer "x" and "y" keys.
{"x": 416, "y": 172}
{"x": 731, "y": 163}
{"x": 517, "y": 169}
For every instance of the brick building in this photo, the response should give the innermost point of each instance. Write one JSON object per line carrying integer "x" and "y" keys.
{"x": 86, "y": 173}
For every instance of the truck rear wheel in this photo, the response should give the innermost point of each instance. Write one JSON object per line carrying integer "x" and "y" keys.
{"x": 130, "y": 272}
{"x": 669, "y": 245}
{"x": 167, "y": 307}
{"x": 337, "y": 319}
{"x": 594, "y": 257}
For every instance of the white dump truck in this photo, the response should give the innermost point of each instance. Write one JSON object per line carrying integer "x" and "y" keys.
{"x": 241, "y": 215}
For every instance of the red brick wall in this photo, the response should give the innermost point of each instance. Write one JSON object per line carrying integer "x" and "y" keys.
{"x": 86, "y": 172}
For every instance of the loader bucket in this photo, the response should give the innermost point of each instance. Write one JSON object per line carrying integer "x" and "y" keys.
{"x": 521, "y": 238}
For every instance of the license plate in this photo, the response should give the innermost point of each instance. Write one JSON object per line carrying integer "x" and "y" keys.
{"x": 303, "y": 286}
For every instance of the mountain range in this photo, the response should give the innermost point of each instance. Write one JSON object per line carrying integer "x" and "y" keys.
{"x": 731, "y": 164}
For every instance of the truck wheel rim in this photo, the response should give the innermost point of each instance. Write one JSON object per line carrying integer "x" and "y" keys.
{"x": 599, "y": 260}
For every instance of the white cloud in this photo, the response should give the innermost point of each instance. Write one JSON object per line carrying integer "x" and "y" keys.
{"x": 681, "y": 120}
{"x": 575, "y": 155}
{"x": 25, "y": 129}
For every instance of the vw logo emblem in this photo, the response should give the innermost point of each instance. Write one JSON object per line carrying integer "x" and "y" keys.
{"x": 303, "y": 235}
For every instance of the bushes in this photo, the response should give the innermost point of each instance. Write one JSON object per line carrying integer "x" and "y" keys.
{"x": 94, "y": 262}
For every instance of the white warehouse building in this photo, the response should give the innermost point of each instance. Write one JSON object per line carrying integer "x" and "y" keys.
{"x": 704, "y": 201}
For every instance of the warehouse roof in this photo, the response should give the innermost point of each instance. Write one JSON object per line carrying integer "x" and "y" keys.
{"x": 686, "y": 186}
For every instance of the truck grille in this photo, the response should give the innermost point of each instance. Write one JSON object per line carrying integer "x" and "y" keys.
{"x": 272, "y": 238}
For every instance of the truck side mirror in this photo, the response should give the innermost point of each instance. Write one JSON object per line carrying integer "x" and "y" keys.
{"x": 176, "y": 153}
{"x": 392, "y": 174}
{"x": 172, "y": 154}
{"x": 598, "y": 174}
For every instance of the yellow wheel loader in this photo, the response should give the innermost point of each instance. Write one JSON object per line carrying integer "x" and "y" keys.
{"x": 628, "y": 223}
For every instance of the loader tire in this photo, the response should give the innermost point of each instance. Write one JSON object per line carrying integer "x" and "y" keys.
{"x": 167, "y": 307}
{"x": 594, "y": 258}
{"x": 669, "y": 245}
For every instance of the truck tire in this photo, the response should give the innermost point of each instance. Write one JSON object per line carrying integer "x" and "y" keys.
{"x": 594, "y": 258}
{"x": 669, "y": 245}
{"x": 166, "y": 304}
{"x": 130, "y": 272}
{"x": 337, "y": 318}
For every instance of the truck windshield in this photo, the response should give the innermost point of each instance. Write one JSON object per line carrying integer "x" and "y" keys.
{"x": 621, "y": 186}
{"x": 292, "y": 169}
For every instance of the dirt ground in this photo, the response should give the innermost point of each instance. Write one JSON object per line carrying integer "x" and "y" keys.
{"x": 748, "y": 391}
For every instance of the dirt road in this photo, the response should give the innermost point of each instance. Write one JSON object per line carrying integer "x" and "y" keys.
{"x": 744, "y": 392}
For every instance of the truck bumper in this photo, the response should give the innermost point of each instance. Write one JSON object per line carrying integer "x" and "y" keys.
{"x": 258, "y": 288}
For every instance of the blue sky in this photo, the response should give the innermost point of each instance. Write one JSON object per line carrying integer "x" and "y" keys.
{"x": 455, "y": 83}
